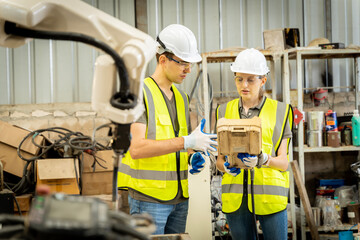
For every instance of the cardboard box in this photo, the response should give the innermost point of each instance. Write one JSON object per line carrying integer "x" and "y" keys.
{"x": 59, "y": 174}
{"x": 239, "y": 136}
{"x": 281, "y": 39}
{"x": 10, "y": 138}
{"x": 98, "y": 180}
{"x": 24, "y": 203}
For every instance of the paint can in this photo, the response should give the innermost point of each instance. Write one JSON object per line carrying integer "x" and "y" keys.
{"x": 334, "y": 139}
{"x": 331, "y": 121}
{"x": 314, "y": 138}
{"x": 315, "y": 120}
{"x": 347, "y": 137}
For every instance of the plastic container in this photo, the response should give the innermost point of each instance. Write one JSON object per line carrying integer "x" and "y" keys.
{"x": 338, "y": 207}
{"x": 239, "y": 136}
{"x": 353, "y": 213}
{"x": 337, "y": 204}
{"x": 355, "y": 122}
{"x": 346, "y": 235}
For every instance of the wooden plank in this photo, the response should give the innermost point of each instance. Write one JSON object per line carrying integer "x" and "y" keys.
{"x": 305, "y": 200}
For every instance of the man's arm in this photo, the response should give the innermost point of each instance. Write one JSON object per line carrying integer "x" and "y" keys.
{"x": 141, "y": 147}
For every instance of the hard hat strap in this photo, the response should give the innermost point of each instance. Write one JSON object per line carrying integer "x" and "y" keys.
{"x": 160, "y": 42}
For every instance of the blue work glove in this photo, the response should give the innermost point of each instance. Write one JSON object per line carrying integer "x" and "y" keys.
{"x": 234, "y": 171}
{"x": 200, "y": 141}
{"x": 253, "y": 160}
{"x": 197, "y": 162}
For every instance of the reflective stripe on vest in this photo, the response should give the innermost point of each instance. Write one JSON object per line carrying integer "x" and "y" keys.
{"x": 157, "y": 177}
{"x": 271, "y": 186}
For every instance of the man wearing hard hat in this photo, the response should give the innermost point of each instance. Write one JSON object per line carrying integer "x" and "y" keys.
{"x": 155, "y": 169}
{"x": 269, "y": 171}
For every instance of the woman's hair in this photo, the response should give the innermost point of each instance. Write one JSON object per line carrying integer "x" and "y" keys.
{"x": 261, "y": 91}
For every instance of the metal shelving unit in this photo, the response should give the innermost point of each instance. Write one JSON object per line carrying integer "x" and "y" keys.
{"x": 299, "y": 54}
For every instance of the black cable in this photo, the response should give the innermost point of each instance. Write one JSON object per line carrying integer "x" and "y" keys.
{"x": 66, "y": 137}
{"x": 122, "y": 99}
{"x": 26, "y": 182}
{"x": 16, "y": 201}
{"x": 253, "y": 202}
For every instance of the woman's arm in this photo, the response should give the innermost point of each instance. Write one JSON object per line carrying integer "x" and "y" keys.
{"x": 220, "y": 162}
{"x": 280, "y": 162}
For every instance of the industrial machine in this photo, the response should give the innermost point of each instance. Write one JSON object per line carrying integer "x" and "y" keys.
{"x": 127, "y": 54}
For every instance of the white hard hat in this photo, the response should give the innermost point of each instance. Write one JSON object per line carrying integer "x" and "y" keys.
{"x": 250, "y": 61}
{"x": 180, "y": 41}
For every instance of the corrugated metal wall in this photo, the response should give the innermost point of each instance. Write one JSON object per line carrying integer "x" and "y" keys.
{"x": 55, "y": 71}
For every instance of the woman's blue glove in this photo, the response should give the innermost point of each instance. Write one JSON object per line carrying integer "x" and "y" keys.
{"x": 197, "y": 162}
{"x": 252, "y": 160}
{"x": 248, "y": 160}
{"x": 234, "y": 171}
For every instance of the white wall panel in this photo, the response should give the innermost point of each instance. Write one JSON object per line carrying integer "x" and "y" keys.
{"x": 21, "y": 75}
{"x": 4, "y": 84}
{"x": 43, "y": 90}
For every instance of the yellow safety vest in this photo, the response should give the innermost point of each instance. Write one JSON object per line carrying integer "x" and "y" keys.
{"x": 271, "y": 186}
{"x": 158, "y": 176}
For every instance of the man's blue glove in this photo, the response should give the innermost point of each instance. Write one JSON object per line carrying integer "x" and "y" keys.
{"x": 197, "y": 162}
{"x": 198, "y": 140}
{"x": 234, "y": 171}
{"x": 252, "y": 160}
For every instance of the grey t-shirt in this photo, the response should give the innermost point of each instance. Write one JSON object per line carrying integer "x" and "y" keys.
{"x": 170, "y": 103}
{"x": 255, "y": 111}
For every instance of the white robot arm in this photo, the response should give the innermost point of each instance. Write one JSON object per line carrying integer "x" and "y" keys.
{"x": 128, "y": 52}
{"x": 74, "y": 20}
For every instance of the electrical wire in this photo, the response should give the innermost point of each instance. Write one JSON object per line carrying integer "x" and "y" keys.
{"x": 67, "y": 139}
{"x": 122, "y": 99}
{"x": 16, "y": 201}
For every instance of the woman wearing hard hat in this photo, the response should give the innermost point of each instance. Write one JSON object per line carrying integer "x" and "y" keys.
{"x": 269, "y": 171}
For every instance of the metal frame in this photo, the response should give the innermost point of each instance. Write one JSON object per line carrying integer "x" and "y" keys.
{"x": 300, "y": 54}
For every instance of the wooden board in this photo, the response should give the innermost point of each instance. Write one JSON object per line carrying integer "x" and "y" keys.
{"x": 305, "y": 200}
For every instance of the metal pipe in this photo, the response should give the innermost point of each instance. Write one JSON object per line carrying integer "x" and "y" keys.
{"x": 221, "y": 43}
{"x": 52, "y": 77}
{"x": 199, "y": 24}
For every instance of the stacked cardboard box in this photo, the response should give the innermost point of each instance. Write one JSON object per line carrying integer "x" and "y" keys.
{"x": 10, "y": 138}
{"x": 96, "y": 179}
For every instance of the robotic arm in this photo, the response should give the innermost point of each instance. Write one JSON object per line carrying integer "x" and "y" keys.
{"x": 128, "y": 52}
{"x": 74, "y": 20}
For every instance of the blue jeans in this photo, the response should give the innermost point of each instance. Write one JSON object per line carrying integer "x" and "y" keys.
{"x": 241, "y": 223}
{"x": 168, "y": 218}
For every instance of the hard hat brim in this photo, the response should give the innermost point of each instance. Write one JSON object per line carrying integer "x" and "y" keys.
{"x": 193, "y": 59}
{"x": 237, "y": 70}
